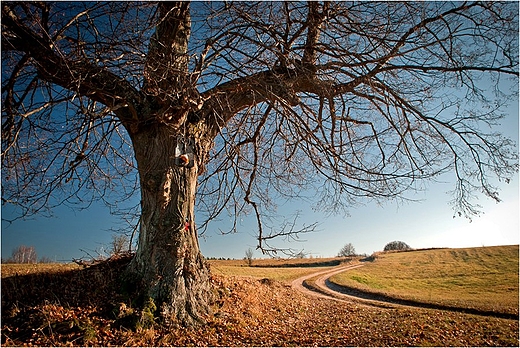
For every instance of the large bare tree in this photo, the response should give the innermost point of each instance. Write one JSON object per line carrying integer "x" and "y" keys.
{"x": 246, "y": 104}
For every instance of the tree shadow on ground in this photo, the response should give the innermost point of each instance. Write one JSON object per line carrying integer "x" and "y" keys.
{"x": 28, "y": 299}
{"x": 81, "y": 287}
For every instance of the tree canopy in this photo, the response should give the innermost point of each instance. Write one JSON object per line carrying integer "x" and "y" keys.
{"x": 347, "y": 250}
{"x": 397, "y": 245}
{"x": 346, "y": 100}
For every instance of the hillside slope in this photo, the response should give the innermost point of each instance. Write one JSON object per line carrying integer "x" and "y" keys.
{"x": 482, "y": 278}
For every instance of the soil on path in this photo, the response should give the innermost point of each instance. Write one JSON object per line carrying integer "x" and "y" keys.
{"x": 302, "y": 284}
{"x": 318, "y": 284}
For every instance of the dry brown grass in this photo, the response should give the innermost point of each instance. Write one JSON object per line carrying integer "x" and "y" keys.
{"x": 281, "y": 263}
{"x": 10, "y": 269}
{"x": 283, "y": 270}
{"x": 81, "y": 307}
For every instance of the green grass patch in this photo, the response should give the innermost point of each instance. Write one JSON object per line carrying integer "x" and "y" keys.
{"x": 483, "y": 278}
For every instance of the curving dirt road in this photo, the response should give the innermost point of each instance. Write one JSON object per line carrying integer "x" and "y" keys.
{"x": 322, "y": 287}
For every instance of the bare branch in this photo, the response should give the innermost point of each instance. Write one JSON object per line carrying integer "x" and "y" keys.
{"x": 80, "y": 76}
{"x": 373, "y": 98}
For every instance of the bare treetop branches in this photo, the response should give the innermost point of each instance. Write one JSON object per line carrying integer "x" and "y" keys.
{"x": 370, "y": 97}
{"x": 394, "y": 94}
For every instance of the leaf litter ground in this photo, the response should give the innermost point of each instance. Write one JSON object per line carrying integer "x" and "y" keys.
{"x": 83, "y": 308}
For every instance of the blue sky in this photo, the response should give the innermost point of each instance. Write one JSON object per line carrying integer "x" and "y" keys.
{"x": 425, "y": 224}
{"x": 428, "y": 223}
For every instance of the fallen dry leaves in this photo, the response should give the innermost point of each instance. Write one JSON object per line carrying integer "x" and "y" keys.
{"x": 78, "y": 308}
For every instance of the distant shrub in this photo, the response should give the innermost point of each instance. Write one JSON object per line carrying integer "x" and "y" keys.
{"x": 45, "y": 259}
{"x": 397, "y": 245}
{"x": 120, "y": 243}
{"x": 370, "y": 258}
{"x": 347, "y": 250}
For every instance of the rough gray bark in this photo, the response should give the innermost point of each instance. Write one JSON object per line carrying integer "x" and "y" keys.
{"x": 168, "y": 261}
{"x": 168, "y": 264}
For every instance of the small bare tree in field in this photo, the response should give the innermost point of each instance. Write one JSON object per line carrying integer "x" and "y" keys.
{"x": 120, "y": 243}
{"x": 249, "y": 257}
{"x": 246, "y": 104}
{"x": 23, "y": 254}
{"x": 347, "y": 250}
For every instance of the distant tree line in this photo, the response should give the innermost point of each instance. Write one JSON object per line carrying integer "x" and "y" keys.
{"x": 220, "y": 258}
{"x": 25, "y": 254}
{"x": 349, "y": 250}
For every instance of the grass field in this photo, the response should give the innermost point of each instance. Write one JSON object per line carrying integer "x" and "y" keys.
{"x": 67, "y": 305}
{"x": 483, "y": 278}
{"x": 282, "y": 270}
{"x": 9, "y": 270}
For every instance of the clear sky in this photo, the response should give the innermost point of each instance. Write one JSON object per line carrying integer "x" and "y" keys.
{"x": 421, "y": 225}
{"x": 429, "y": 223}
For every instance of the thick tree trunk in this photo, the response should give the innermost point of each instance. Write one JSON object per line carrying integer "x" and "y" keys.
{"x": 168, "y": 263}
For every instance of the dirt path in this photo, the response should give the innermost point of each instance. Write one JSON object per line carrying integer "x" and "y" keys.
{"x": 322, "y": 287}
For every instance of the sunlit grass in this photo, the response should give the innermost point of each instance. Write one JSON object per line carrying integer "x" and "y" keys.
{"x": 484, "y": 278}
{"x": 10, "y": 269}
{"x": 282, "y": 270}
{"x": 279, "y": 274}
